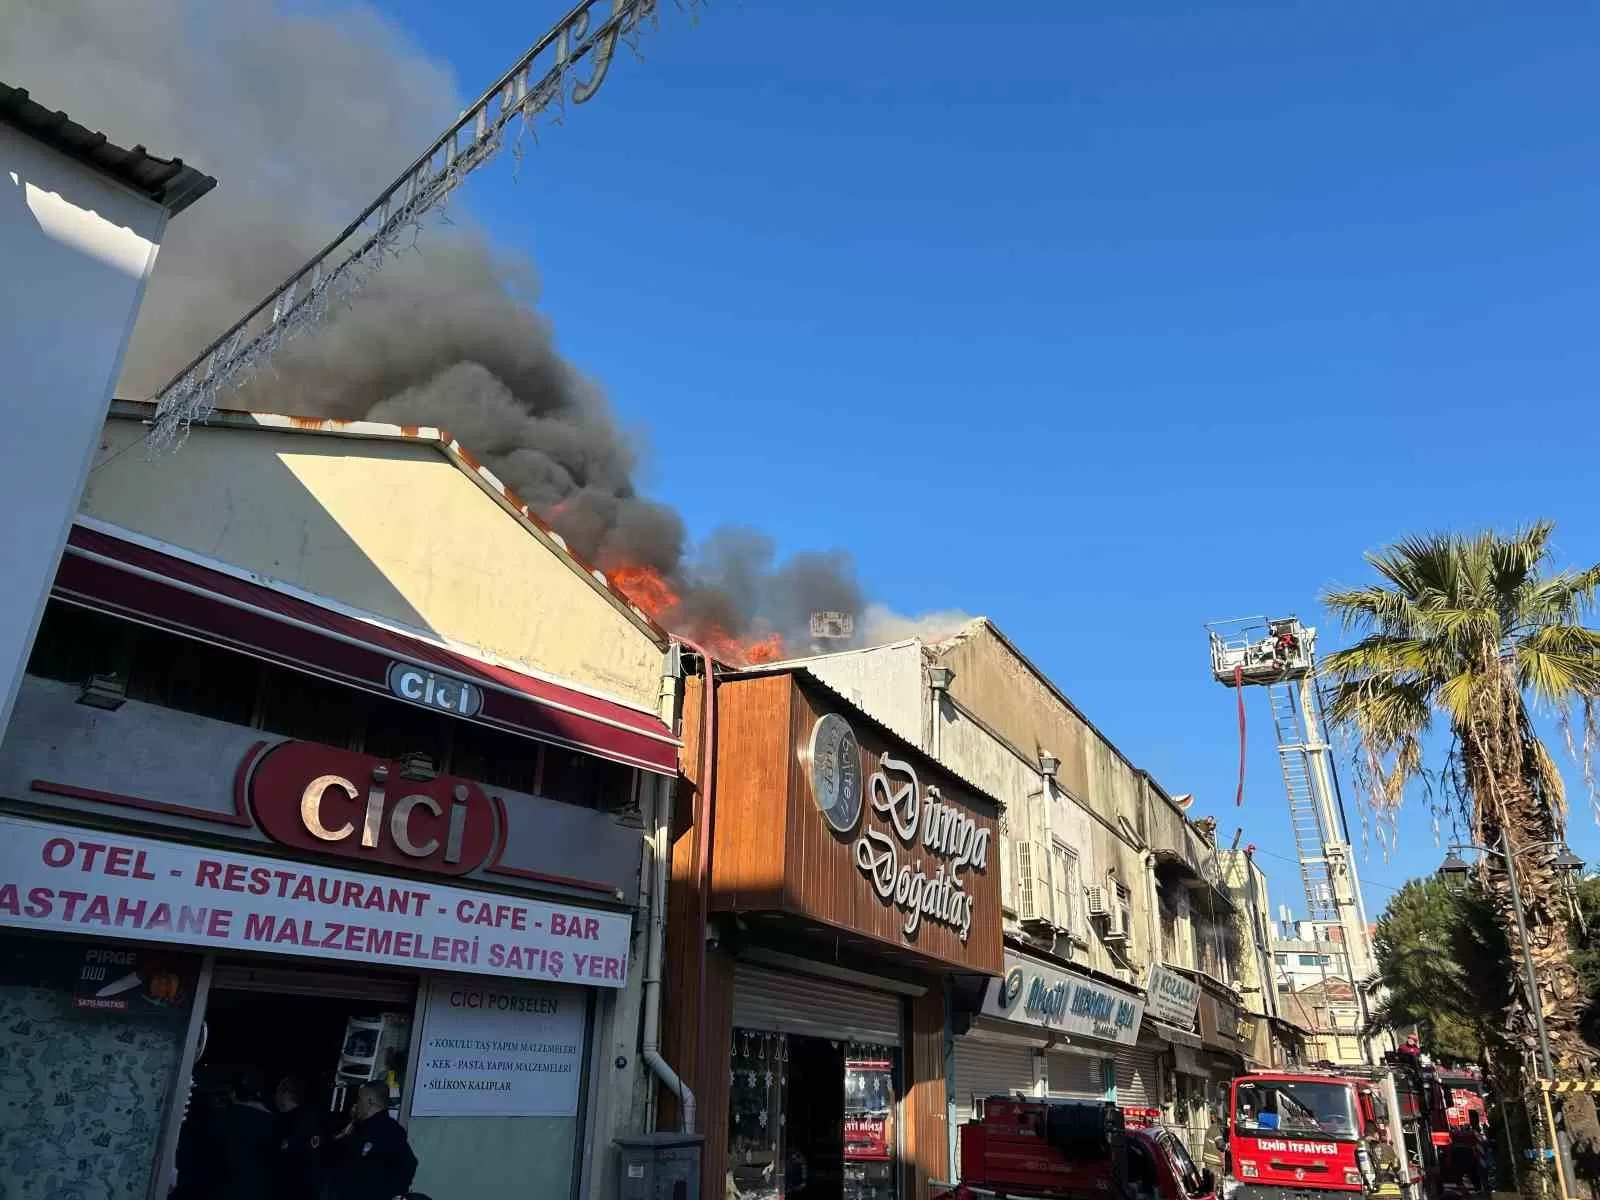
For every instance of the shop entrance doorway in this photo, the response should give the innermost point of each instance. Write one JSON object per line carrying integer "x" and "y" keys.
{"x": 282, "y": 1052}
{"x": 813, "y": 1113}
{"x": 812, "y": 1118}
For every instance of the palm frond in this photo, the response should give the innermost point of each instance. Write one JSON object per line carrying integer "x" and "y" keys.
{"x": 1426, "y": 568}
{"x": 1373, "y": 608}
{"x": 1516, "y": 560}
{"x": 1548, "y": 774}
{"x": 1558, "y": 661}
{"x": 1457, "y": 695}
{"x": 1380, "y": 654}
{"x": 1447, "y": 616}
{"x": 1567, "y": 596}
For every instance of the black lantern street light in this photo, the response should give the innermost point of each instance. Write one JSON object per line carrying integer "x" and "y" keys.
{"x": 1453, "y": 871}
{"x": 1568, "y": 866}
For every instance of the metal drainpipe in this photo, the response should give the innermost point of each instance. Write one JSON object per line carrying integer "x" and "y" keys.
{"x": 952, "y": 1165}
{"x": 650, "y": 1049}
{"x": 939, "y": 679}
{"x": 1152, "y": 905}
{"x": 660, "y": 842}
{"x": 938, "y": 687}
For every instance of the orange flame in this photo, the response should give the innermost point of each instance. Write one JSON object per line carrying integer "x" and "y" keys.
{"x": 649, "y": 589}
{"x": 764, "y": 650}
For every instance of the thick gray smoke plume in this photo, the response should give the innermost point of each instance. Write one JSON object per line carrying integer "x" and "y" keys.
{"x": 303, "y": 116}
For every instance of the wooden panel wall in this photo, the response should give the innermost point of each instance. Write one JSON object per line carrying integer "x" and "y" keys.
{"x": 823, "y": 881}
{"x": 754, "y": 781}
{"x": 927, "y": 1142}
{"x": 712, "y": 1096}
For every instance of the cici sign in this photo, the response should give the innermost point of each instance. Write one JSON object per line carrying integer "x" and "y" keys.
{"x": 432, "y": 690}
{"x": 59, "y": 878}
{"x": 328, "y": 801}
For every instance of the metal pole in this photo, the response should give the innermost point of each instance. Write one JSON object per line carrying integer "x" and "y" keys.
{"x": 1409, "y": 1187}
{"x": 1546, "y": 1064}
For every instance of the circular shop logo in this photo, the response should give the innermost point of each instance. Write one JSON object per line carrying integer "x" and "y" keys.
{"x": 835, "y": 764}
{"x": 1011, "y": 987}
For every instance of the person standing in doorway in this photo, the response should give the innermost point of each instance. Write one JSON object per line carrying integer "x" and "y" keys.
{"x": 297, "y": 1165}
{"x": 243, "y": 1145}
{"x": 371, "y": 1159}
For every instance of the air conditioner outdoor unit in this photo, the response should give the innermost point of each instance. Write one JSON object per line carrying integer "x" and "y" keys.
{"x": 1030, "y": 904}
{"x": 1116, "y": 929}
{"x": 1099, "y": 902}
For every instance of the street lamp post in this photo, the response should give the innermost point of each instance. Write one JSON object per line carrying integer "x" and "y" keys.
{"x": 1454, "y": 872}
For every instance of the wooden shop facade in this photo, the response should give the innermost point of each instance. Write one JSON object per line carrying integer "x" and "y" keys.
{"x": 846, "y": 891}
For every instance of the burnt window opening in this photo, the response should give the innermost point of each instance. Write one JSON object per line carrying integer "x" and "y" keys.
{"x": 309, "y": 709}
{"x": 395, "y": 729}
{"x": 496, "y": 759}
{"x": 193, "y": 677}
{"x": 586, "y": 781}
{"x": 74, "y": 643}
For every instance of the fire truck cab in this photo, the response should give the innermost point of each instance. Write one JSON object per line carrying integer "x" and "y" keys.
{"x": 1293, "y": 1136}
{"x": 1308, "y": 1135}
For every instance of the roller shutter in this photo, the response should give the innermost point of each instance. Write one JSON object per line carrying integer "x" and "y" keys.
{"x": 814, "y": 1007}
{"x": 1074, "y": 1076}
{"x": 372, "y": 988}
{"x": 989, "y": 1069}
{"x": 1137, "y": 1083}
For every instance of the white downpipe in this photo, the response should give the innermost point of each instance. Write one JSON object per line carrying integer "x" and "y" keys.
{"x": 650, "y": 1051}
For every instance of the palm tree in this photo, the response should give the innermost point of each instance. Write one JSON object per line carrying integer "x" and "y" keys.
{"x": 1471, "y": 632}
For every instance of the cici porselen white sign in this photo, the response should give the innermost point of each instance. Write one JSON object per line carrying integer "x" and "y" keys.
{"x": 71, "y": 880}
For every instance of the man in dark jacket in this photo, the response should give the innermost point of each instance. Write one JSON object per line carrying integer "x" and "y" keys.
{"x": 241, "y": 1144}
{"x": 297, "y": 1166}
{"x": 371, "y": 1159}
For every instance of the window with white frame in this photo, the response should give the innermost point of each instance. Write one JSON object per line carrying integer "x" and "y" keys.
{"x": 1065, "y": 870}
{"x": 1125, "y": 906}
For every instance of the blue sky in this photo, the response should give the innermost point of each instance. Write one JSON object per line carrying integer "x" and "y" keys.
{"x": 1104, "y": 321}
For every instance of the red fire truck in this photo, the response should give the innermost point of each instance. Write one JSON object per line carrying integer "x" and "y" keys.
{"x": 1303, "y": 1135}
{"x": 1460, "y": 1128}
{"x": 1021, "y": 1149}
{"x": 1291, "y": 1136}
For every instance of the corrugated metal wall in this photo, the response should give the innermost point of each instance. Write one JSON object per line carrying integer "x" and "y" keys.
{"x": 808, "y": 1005}
{"x": 1074, "y": 1076}
{"x": 1138, "y": 1084}
{"x": 989, "y": 1069}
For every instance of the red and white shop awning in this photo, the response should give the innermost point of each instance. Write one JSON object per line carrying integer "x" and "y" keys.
{"x": 124, "y": 576}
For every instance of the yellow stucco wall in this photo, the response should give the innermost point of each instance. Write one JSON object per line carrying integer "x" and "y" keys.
{"x": 997, "y": 686}
{"x": 390, "y": 527}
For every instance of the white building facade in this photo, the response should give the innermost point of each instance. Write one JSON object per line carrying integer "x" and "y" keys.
{"x": 81, "y": 226}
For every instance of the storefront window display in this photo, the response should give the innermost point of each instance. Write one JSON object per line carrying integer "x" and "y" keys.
{"x": 810, "y": 1113}
{"x": 91, "y": 1036}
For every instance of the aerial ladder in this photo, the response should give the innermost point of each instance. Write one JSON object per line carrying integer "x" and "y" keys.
{"x": 1279, "y": 655}
{"x": 539, "y": 84}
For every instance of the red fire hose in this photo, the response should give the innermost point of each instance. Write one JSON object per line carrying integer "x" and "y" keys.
{"x": 1238, "y": 690}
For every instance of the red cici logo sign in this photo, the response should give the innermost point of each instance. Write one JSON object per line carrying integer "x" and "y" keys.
{"x": 331, "y": 801}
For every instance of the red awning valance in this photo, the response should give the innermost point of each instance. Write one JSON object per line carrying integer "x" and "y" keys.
{"x": 124, "y": 576}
